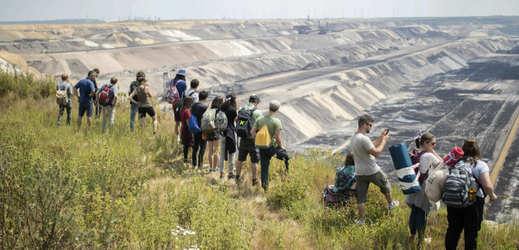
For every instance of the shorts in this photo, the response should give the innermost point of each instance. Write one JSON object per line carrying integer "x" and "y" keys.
{"x": 214, "y": 136}
{"x": 363, "y": 181}
{"x": 146, "y": 110}
{"x": 248, "y": 147}
{"x": 177, "y": 112}
{"x": 86, "y": 107}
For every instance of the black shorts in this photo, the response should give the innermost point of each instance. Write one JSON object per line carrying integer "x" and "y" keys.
{"x": 213, "y": 136}
{"x": 146, "y": 110}
{"x": 248, "y": 147}
{"x": 177, "y": 112}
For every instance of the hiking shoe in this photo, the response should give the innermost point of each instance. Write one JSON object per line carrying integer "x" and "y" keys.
{"x": 231, "y": 176}
{"x": 360, "y": 222}
{"x": 254, "y": 182}
{"x": 393, "y": 205}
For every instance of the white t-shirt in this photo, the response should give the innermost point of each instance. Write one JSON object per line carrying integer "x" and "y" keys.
{"x": 426, "y": 160}
{"x": 364, "y": 162}
{"x": 189, "y": 92}
{"x": 480, "y": 168}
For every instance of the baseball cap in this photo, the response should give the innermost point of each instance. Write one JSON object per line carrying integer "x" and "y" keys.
{"x": 181, "y": 72}
{"x": 254, "y": 98}
{"x": 274, "y": 105}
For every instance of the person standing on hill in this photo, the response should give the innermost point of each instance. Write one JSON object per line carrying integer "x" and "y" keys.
{"x": 96, "y": 101}
{"x": 87, "y": 91}
{"x": 366, "y": 169}
{"x": 246, "y": 145}
{"x": 145, "y": 107}
{"x": 213, "y": 138}
{"x": 108, "y": 109}
{"x": 135, "y": 107}
{"x": 192, "y": 91}
{"x": 180, "y": 82}
{"x": 469, "y": 219}
{"x": 228, "y": 140}
{"x": 186, "y": 137}
{"x": 276, "y": 149}
{"x": 64, "y": 85}
{"x": 428, "y": 159}
{"x": 198, "y": 109}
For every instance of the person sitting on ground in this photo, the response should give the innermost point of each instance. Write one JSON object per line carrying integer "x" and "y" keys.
{"x": 277, "y": 149}
{"x": 345, "y": 185}
{"x": 198, "y": 109}
{"x": 366, "y": 169}
{"x": 64, "y": 85}
{"x": 418, "y": 202}
{"x": 246, "y": 145}
{"x": 469, "y": 218}
{"x": 135, "y": 107}
{"x": 87, "y": 92}
{"x": 192, "y": 91}
{"x": 145, "y": 107}
{"x": 180, "y": 82}
{"x": 228, "y": 140}
{"x": 108, "y": 110}
{"x": 213, "y": 139}
{"x": 186, "y": 137}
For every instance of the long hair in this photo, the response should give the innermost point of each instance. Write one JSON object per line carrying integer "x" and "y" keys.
{"x": 427, "y": 137}
{"x": 230, "y": 101}
{"x": 181, "y": 77}
{"x": 471, "y": 149}
{"x": 217, "y": 102}
{"x": 187, "y": 102}
{"x": 350, "y": 160}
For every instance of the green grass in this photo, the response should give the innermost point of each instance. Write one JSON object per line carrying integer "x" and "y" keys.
{"x": 60, "y": 188}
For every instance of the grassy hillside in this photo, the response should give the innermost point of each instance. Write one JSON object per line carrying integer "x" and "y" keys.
{"x": 60, "y": 188}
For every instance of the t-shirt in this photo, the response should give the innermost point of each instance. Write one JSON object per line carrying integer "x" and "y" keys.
{"x": 273, "y": 124}
{"x": 426, "y": 160}
{"x": 480, "y": 168}
{"x": 85, "y": 87}
{"x": 231, "y": 114}
{"x": 198, "y": 111}
{"x": 133, "y": 86}
{"x": 255, "y": 115}
{"x": 62, "y": 86}
{"x": 192, "y": 93}
{"x": 181, "y": 86}
{"x": 364, "y": 162}
{"x": 185, "y": 115}
{"x": 113, "y": 91}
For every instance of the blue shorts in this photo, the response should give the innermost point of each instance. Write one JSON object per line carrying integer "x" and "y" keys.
{"x": 86, "y": 106}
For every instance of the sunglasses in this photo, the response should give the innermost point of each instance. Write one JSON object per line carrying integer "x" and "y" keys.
{"x": 371, "y": 125}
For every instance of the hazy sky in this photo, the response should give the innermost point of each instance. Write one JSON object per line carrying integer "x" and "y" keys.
{"x": 112, "y": 10}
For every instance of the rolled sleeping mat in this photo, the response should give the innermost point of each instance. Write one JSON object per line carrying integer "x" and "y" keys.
{"x": 407, "y": 177}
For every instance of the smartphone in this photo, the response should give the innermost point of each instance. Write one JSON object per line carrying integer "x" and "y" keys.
{"x": 387, "y": 131}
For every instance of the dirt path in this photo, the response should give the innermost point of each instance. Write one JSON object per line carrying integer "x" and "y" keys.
{"x": 504, "y": 151}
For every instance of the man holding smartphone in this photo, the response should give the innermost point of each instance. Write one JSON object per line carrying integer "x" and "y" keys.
{"x": 366, "y": 169}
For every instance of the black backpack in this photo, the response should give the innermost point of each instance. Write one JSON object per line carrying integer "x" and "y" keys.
{"x": 244, "y": 122}
{"x": 179, "y": 103}
{"x": 133, "y": 86}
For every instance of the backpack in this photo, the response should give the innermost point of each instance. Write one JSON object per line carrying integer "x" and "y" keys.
{"x": 172, "y": 95}
{"x": 221, "y": 120}
{"x": 331, "y": 198}
{"x": 344, "y": 178}
{"x": 460, "y": 187}
{"x": 415, "y": 159}
{"x": 61, "y": 95}
{"x": 104, "y": 97}
{"x": 263, "y": 138}
{"x": 208, "y": 124}
{"x": 181, "y": 100}
{"x": 133, "y": 86}
{"x": 244, "y": 122}
{"x": 192, "y": 125}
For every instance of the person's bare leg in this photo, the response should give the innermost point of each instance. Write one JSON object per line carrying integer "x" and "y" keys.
{"x": 177, "y": 128}
{"x": 389, "y": 198}
{"x": 210, "y": 153}
{"x": 154, "y": 124}
{"x": 254, "y": 169}
{"x": 239, "y": 165}
{"x": 143, "y": 122}
{"x": 362, "y": 210}
{"x": 89, "y": 121}
{"x": 79, "y": 121}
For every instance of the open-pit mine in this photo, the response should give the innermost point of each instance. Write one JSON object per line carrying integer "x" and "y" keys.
{"x": 457, "y": 78}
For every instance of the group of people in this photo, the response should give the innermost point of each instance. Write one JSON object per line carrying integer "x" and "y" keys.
{"x": 467, "y": 219}
{"x": 224, "y": 142}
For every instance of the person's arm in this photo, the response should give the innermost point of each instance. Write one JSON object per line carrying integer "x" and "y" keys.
{"x": 76, "y": 92}
{"x": 278, "y": 140}
{"x": 132, "y": 95}
{"x": 149, "y": 92}
{"x": 377, "y": 150}
{"x": 253, "y": 132}
{"x": 115, "y": 100}
{"x": 487, "y": 185}
{"x": 70, "y": 90}
{"x": 92, "y": 93}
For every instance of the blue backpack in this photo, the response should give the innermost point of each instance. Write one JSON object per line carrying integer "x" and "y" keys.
{"x": 192, "y": 125}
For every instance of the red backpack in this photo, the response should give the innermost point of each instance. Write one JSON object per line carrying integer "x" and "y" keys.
{"x": 172, "y": 95}
{"x": 104, "y": 97}
{"x": 415, "y": 158}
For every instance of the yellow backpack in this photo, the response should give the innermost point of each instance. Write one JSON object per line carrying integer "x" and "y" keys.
{"x": 263, "y": 138}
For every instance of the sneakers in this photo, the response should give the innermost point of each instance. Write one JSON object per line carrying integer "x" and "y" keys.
{"x": 360, "y": 222}
{"x": 178, "y": 138}
{"x": 254, "y": 182}
{"x": 231, "y": 176}
{"x": 393, "y": 205}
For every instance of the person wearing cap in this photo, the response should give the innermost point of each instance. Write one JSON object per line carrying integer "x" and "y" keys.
{"x": 180, "y": 82}
{"x": 108, "y": 111}
{"x": 246, "y": 145}
{"x": 277, "y": 149}
{"x": 145, "y": 107}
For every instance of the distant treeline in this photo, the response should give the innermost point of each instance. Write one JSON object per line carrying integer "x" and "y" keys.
{"x": 57, "y": 21}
